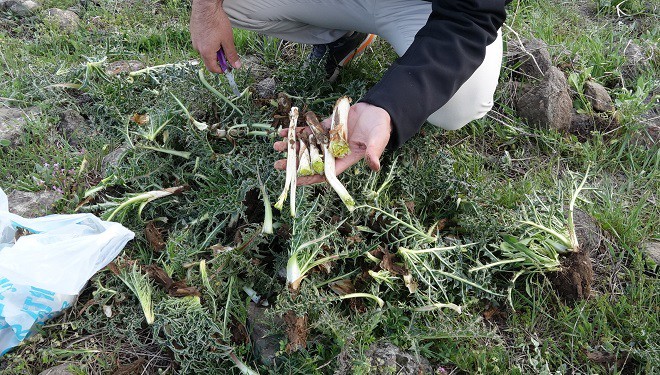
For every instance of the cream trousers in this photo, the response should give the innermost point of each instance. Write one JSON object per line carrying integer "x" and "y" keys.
{"x": 397, "y": 21}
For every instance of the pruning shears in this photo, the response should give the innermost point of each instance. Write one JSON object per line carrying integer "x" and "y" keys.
{"x": 226, "y": 69}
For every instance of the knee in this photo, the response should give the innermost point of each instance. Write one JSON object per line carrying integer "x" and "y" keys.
{"x": 453, "y": 116}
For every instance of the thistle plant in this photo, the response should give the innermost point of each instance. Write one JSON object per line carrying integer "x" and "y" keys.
{"x": 140, "y": 285}
{"x": 547, "y": 235}
{"x": 141, "y": 200}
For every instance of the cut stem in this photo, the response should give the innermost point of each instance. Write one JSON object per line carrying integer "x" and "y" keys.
{"x": 331, "y": 177}
{"x": 315, "y": 156}
{"x": 267, "y": 228}
{"x": 290, "y": 181}
{"x": 317, "y": 129}
{"x": 304, "y": 163}
{"x": 339, "y": 128}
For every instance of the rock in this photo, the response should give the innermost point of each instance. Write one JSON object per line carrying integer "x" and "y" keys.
{"x": 635, "y": 60}
{"x": 24, "y": 8}
{"x": 29, "y": 204}
{"x": 547, "y": 104}
{"x": 12, "y": 123}
{"x": 64, "y": 19}
{"x": 113, "y": 158}
{"x": 74, "y": 127}
{"x": 264, "y": 343}
{"x": 531, "y": 58}
{"x": 582, "y": 124}
{"x": 652, "y": 249}
{"x": 598, "y": 97}
{"x": 57, "y": 370}
{"x": 252, "y": 64}
{"x": 123, "y": 66}
{"x": 266, "y": 88}
{"x": 387, "y": 359}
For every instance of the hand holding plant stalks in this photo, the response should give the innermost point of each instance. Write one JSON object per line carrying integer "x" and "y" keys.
{"x": 317, "y": 151}
{"x": 369, "y": 129}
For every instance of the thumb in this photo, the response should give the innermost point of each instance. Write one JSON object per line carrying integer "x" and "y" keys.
{"x": 375, "y": 149}
{"x": 231, "y": 54}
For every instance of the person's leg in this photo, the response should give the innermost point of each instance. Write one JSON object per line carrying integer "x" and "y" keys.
{"x": 301, "y": 21}
{"x": 398, "y": 22}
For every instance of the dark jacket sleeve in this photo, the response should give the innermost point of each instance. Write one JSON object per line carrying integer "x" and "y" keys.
{"x": 444, "y": 54}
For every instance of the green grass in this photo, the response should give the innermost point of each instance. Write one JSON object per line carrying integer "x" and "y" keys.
{"x": 474, "y": 184}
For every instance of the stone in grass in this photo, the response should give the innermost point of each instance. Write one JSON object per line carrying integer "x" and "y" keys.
{"x": 65, "y": 19}
{"x": 123, "y": 67}
{"x": 264, "y": 344}
{"x": 266, "y": 88}
{"x": 253, "y": 64}
{"x": 12, "y": 124}
{"x": 74, "y": 128}
{"x": 388, "y": 359}
{"x": 652, "y": 249}
{"x": 529, "y": 58}
{"x": 113, "y": 158}
{"x": 634, "y": 62}
{"x": 583, "y": 125}
{"x": 649, "y": 135}
{"x": 24, "y": 8}
{"x": 547, "y": 104}
{"x": 598, "y": 97}
{"x": 32, "y": 204}
{"x": 57, "y": 370}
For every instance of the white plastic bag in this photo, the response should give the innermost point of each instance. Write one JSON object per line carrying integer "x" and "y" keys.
{"x": 42, "y": 273}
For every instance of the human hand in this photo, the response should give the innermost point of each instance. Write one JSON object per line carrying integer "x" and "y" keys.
{"x": 210, "y": 30}
{"x": 369, "y": 129}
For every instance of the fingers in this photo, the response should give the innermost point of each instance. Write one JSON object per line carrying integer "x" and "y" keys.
{"x": 326, "y": 123}
{"x": 280, "y": 165}
{"x": 231, "y": 54}
{"x": 280, "y": 146}
{"x": 211, "y": 61}
{"x": 347, "y": 161}
{"x": 309, "y": 180}
{"x": 299, "y": 130}
{"x": 374, "y": 150}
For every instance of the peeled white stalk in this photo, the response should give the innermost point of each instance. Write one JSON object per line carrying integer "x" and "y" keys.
{"x": 315, "y": 156}
{"x": 339, "y": 128}
{"x": 304, "y": 163}
{"x": 290, "y": 179}
{"x": 331, "y": 177}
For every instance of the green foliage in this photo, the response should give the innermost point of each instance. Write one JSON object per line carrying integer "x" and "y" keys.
{"x": 441, "y": 190}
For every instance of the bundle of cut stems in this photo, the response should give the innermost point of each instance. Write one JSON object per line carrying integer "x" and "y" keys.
{"x": 314, "y": 154}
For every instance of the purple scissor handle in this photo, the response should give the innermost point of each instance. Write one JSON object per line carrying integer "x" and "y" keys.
{"x": 222, "y": 60}
{"x": 226, "y": 69}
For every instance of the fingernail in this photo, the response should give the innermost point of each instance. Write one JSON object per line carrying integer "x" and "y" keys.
{"x": 237, "y": 64}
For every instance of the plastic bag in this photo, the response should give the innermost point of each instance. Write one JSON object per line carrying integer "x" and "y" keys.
{"x": 42, "y": 273}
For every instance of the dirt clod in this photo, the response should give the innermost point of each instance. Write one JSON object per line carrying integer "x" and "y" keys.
{"x": 387, "y": 358}
{"x": 574, "y": 281}
{"x": 12, "y": 123}
{"x": 75, "y": 128}
{"x": 529, "y": 58}
{"x": 264, "y": 343}
{"x": 57, "y": 370}
{"x": 547, "y": 104}
{"x": 32, "y": 204}
{"x": 154, "y": 236}
{"x": 582, "y": 124}
{"x": 296, "y": 331}
{"x": 598, "y": 97}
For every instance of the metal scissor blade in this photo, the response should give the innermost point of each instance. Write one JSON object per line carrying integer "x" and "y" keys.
{"x": 232, "y": 83}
